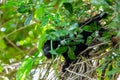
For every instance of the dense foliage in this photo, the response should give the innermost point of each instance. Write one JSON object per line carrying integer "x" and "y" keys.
{"x": 25, "y": 25}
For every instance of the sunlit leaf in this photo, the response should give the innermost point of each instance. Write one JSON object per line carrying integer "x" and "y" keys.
{"x": 24, "y": 69}
{"x": 41, "y": 41}
{"x": 40, "y": 12}
{"x": 1, "y": 68}
{"x": 2, "y": 44}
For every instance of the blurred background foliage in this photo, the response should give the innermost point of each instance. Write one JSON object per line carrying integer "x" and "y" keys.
{"x": 26, "y": 24}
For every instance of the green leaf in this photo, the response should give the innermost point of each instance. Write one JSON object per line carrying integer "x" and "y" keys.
{"x": 73, "y": 26}
{"x": 87, "y": 28}
{"x": 110, "y": 2}
{"x": 117, "y": 7}
{"x": 23, "y": 9}
{"x": 44, "y": 20}
{"x": 91, "y": 27}
{"x": 112, "y": 72}
{"x": 115, "y": 22}
{"x": 2, "y": 44}
{"x": 61, "y": 49}
{"x": 41, "y": 41}
{"x": 62, "y": 32}
{"x": 89, "y": 40}
{"x": 71, "y": 54}
{"x": 24, "y": 69}
{"x": 56, "y": 34}
{"x": 29, "y": 18}
{"x": 1, "y": 68}
{"x": 68, "y": 6}
{"x": 53, "y": 52}
{"x": 118, "y": 63}
{"x": 103, "y": 66}
{"x": 40, "y": 12}
{"x": 99, "y": 3}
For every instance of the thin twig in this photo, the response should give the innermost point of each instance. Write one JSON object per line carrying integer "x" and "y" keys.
{"x": 91, "y": 47}
{"x": 16, "y": 31}
{"x": 16, "y": 47}
{"x": 79, "y": 74}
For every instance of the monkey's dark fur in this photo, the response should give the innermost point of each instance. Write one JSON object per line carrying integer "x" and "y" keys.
{"x": 79, "y": 47}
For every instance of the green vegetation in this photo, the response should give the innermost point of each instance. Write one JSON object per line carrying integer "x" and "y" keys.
{"x": 25, "y": 25}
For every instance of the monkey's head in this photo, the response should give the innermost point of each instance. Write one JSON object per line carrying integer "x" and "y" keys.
{"x": 47, "y": 48}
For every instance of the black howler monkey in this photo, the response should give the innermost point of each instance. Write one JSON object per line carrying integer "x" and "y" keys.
{"x": 79, "y": 47}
